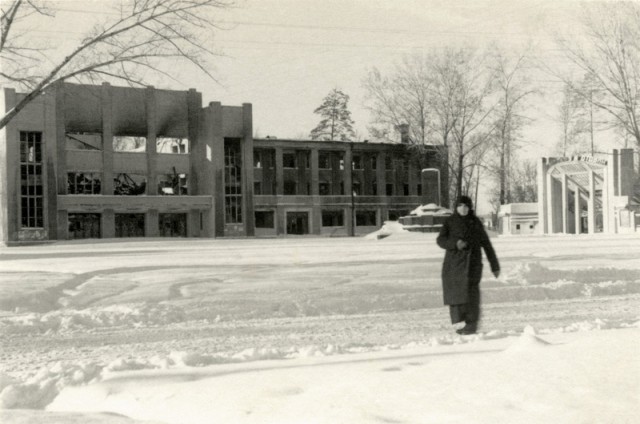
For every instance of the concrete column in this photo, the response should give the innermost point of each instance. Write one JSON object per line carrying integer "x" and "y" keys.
{"x": 248, "y": 216}
{"x": 543, "y": 198}
{"x": 108, "y": 223}
{"x": 626, "y": 173}
{"x": 214, "y": 161}
{"x": 151, "y": 150}
{"x": 576, "y": 208}
{"x": 279, "y": 172}
{"x": 550, "y": 203}
{"x": 591, "y": 205}
{"x": 107, "y": 141}
{"x": 565, "y": 204}
{"x": 63, "y": 225}
{"x": 197, "y": 146}
{"x": 193, "y": 223}
{"x": 605, "y": 200}
{"x": 151, "y": 222}
{"x": 315, "y": 173}
{"x": 612, "y": 190}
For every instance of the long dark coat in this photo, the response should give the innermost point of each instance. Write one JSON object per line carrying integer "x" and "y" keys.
{"x": 463, "y": 267}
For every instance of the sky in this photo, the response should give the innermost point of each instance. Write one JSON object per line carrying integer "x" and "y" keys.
{"x": 302, "y": 330}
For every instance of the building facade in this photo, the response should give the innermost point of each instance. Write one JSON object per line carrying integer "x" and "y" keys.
{"x": 85, "y": 161}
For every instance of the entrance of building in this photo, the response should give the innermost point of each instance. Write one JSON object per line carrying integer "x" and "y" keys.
{"x": 298, "y": 223}
{"x": 129, "y": 225}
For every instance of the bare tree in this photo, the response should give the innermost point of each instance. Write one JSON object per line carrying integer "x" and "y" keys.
{"x": 573, "y": 121}
{"x": 610, "y": 58}
{"x": 513, "y": 88}
{"x": 444, "y": 96}
{"x": 139, "y": 36}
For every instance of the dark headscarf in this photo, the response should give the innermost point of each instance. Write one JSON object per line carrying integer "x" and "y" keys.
{"x": 466, "y": 200}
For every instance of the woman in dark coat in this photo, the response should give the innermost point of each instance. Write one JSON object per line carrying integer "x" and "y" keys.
{"x": 462, "y": 235}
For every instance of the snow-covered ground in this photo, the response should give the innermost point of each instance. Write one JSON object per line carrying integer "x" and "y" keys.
{"x": 317, "y": 330}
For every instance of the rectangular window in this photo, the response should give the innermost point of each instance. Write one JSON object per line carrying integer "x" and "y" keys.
{"x": 264, "y": 219}
{"x": 357, "y": 188}
{"x": 419, "y": 189}
{"x": 324, "y": 160}
{"x": 257, "y": 188}
{"x": 389, "y": 189}
{"x": 83, "y": 141}
{"x": 357, "y": 162}
{"x": 83, "y": 183}
{"x": 388, "y": 163}
{"x": 517, "y": 226}
{"x": 84, "y": 225}
{"x": 257, "y": 159}
{"x": 324, "y": 188}
{"x": 365, "y": 218}
{"x": 405, "y": 189}
{"x": 129, "y": 225}
{"x": 289, "y": 160}
{"x": 129, "y": 184}
{"x": 172, "y": 224}
{"x": 172, "y": 145}
{"x": 374, "y": 163}
{"x": 332, "y": 218}
{"x": 31, "y": 184}
{"x": 232, "y": 182}
{"x": 374, "y": 188}
{"x": 130, "y": 144}
{"x": 173, "y": 185}
{"x": 290, "y": 188}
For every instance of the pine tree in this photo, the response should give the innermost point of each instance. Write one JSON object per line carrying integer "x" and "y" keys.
{"x": 336, "y": 123}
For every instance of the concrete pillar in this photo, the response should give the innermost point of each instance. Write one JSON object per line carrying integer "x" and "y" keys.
{"x": 63, "y": 225}
{"x": 216, "y": 145}
{"x": 626, "y": 173}
{"x": 550, "y": 204}
{"x": 107, "y": 141}
{"x": 152, "y": 155}
{"x": 543, "y": 197}
{"x": 197, "y": 144}
{"x": 279, "y": 172}
{"x": 576, "y": 208}
{"x": 151, "y": 222}
{"x": 591, "y": 205}
{"x": 248, "y": 216}
{"x": 193, "y": 223}
{"x": 612, "y": 190}
{"x": 605, "y": 199}
{"x": 315, "y": 173}
{"x": 565, "y": 204}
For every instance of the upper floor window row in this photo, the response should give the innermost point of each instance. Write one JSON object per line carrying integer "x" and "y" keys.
{"x": 125, "y": 143}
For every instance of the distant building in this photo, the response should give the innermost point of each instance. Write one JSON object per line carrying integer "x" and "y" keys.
{"x": 85, "y": 161}
{"x": 518, "y": 218}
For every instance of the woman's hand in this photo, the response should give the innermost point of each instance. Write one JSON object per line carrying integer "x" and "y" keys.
{"x": 461, "y": 244}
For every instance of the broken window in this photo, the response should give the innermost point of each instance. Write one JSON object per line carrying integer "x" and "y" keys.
{"x": 324, "y": 188}
{"x": 172, "y": 224}
{"x": 332, "y": 218}
{"x": 84, "y": 225}
{"x": 129, "y": 225}
{"x": 290, "y": 188}
{"x": 129, "y": 184}
{"x": 365, "y": 218}
{"x": 172, "y": 145}
{"x": 173, "y": 184}
{"x": 232, "y": 181}
{"x": 125, "y": 143}
{"x": 83, "y": 141}
{"x": 83, "y": 183}
{"x": 357, "y": 162}
{"x": 357, "y": 188}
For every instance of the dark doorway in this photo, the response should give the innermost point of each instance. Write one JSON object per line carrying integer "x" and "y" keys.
{"x": 173, "y": 224}
{"x": 129, "y": 225}
{"x": 84, "y": 225}
{"x": 297, "y": 223}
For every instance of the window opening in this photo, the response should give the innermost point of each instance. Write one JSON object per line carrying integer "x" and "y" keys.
{"x": 365, "y": 218}
{"x": 129, "y": 144}
{"x": 83, "y": 141}
{"x": 172, "y": 224}
{"x": 31, "y": 184}
{"x": 324, "y": 188}
{"x": 332, "y": 218}
{"x": 232, "y": 182}
{"x": 83, "y": 183}
{"x": 172, "y": 145}
{"x": 264, "y": 219}
{"x": 289, "y": 160}
{"x": 324, "y": 160}
{"x": 290, "y": 188}
{"x": 129, "y": 184}
{"x": 173, "y": 184}
{"x": 129, "y": 224}
{"x": 84, "y": 225}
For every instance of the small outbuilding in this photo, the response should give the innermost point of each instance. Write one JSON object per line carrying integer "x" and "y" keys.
{"x": 518, "y": 218}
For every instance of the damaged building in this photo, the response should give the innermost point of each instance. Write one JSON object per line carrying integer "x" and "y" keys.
{"x": 85, "y": 161}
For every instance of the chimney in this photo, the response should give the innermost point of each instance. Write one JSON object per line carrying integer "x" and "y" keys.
{"x": 404, "y": 133}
